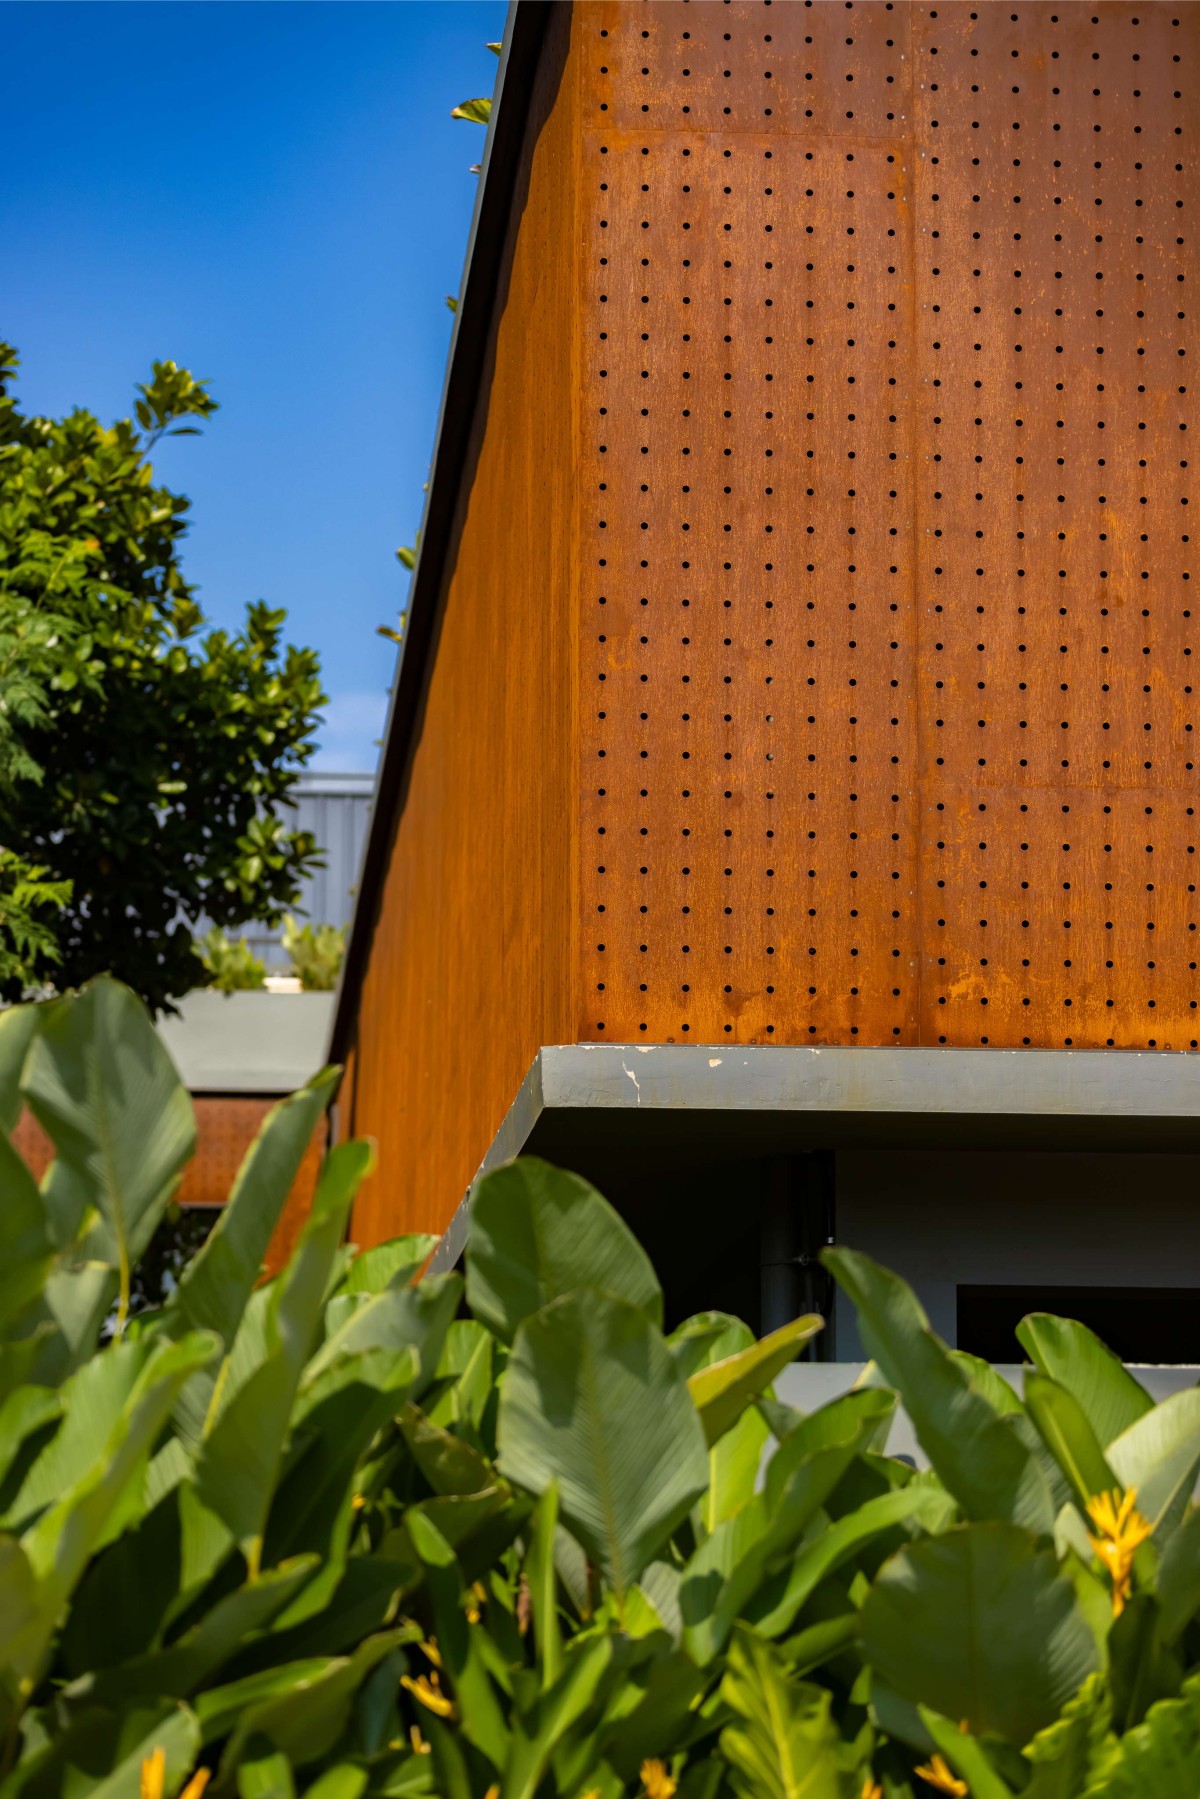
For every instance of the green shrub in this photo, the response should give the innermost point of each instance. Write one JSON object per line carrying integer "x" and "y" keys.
{"x": 340, "y": 1534}
{"x": 231, "y": 965}
{"x": 315, "y": 952}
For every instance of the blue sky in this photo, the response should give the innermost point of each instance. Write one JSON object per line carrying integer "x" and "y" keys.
{"x": 275, "y": 196}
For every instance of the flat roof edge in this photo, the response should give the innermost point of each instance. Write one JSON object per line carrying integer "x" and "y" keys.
{"x": 963, "y": 1082}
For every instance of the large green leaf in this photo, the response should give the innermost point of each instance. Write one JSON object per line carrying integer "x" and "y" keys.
{"x": 1063, "y": 1426}
{"x": 1179, "y": 1576}
{"x": 593, "y": 1400}
{"x": 978, "y": 1455}
{"x": 60, "y": 1544}
{"x": 538, "y": 1233}
{"x": 18, "y": 1025}
{"x": 965, "y": 1757}
{"x": 391, "y": 1264}
{"x": 26, "y": 1247}
{"x": 242, "y": 1452}
{"x": 92, "y": 1401}
{"x": 1158, "y": 1759}
{"x": 537, "y": 1734}
{"x": 784, "y": 1744}
{"x": 979, "y": 1625}
{"x": 1075, "y": 1357}
{"x": 774, "y": 1608}
{"x": 102, "y": 1753}
{"x": 303, "y": 1716}
{"x": 1159, "y": 1456}
{"x": 722, "y": 1391}
{"x": 397, "y": 1318}
{"x": 108, "y": 1096}
{"x": 733, "y": 1461}
{"x": 217, "y": 1283}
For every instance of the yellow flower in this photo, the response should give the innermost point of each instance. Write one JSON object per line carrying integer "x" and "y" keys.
{"x": 428, "y": 1689}
{"x": 358, "y": 1501}
{"x": 871, "y": 1789}
{"x": 936, "y": 1773}
{"x": 1122, "y": 1531}
{"x": 493, "y": 1792}
{"x": 658, "y": 1783}
{"x": 154, "y": 1769}
{"x": 420, "y": 1746}
{"x": 431, "y": 1651}
{"x": 196, "y": 1784}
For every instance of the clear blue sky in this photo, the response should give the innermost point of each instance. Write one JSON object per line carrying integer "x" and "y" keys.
{"x": 275, "y": 196}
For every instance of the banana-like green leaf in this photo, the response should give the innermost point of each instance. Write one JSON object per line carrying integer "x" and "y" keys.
{"x": 965, "y": 1757}
{"x": 1075, "y": 1357}
{"x": 103, "y": 1753}
{"x": 1062, "y": 1755}
{"x": 108, "y": 1096}
{"x": 784, "y": 1744}
{"x": 543, "y": 1586}
{"x": 593, "y": 1399}
{"x": 18, "y": 1026}
{"x": 92, "y": 1401}
{"x": 465, "y": 1376}
{"x": 215, "y": 1286}
{"x": 1160, "y": 1758}
{"x": 60, "y": 1544}
{"x": 398, "y": 1318}
{"x": 242, "y": 1451}
{"x": 1179, "y": 1577}
{"x": 392, "y": 1264}
{"x": 26, "y": 1247}
{"x": 448, "y": 1464}
{"x": 774, "y": 1607}
{"x": 1142, "y": 1668}
{"x": 304, "y": 1716}
{"x": 978, "y": 1455}
{"x": 1159, "y": 1456}
{"x": 979, "y": 1625}
{"x": 536, "y": 1736}
{"x": 538, "y": 1233}
{"x": 734, "y": 1461}
{"x": 1063, "y": 1426}
{"x": 722, "y": 1392}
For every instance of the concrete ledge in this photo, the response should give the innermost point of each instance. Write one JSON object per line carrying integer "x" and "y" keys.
{"x": 269, "y": 1043}
{"x": 976, "y": 1082}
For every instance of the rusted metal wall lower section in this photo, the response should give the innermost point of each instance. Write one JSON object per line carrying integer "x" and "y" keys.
{"x": 225, "y": 1129}
{"x": 886, "y": 619}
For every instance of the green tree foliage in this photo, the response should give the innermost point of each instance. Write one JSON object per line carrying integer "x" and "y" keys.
{"x": 142, "y": 759}
{"x": 343, "y": 1535}
{"x": 230, "y": 965}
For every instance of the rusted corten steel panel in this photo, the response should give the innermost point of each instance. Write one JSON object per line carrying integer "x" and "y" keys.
{"x": 470, "y": 966}
{"x": 885, "y": 680}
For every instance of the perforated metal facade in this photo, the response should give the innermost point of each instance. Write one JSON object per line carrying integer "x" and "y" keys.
{"x": 891, "y": 726}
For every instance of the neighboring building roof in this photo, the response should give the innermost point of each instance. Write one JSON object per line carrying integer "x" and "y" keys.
{"x": 337, "y": 809}
{"x": 523, "y": 32}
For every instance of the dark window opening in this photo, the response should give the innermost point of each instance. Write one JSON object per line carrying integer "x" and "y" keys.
{"x": 1139, "y": 1324}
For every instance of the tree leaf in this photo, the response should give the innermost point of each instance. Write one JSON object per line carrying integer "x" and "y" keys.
{"x": 979, "y": 1625}
{"x": 537, "y": 1233}
{"x": 592, "y": 1399}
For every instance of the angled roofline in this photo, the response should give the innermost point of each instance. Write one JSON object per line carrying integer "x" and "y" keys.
{"x": 523, "y": 32}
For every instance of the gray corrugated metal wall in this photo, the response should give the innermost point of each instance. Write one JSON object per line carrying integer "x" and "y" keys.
{"x": 337, "y": 810}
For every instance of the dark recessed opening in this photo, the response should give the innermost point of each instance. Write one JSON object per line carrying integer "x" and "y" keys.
{"x": 1140, "y": 1324}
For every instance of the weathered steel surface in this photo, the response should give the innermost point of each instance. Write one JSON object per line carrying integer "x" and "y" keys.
{"x": 885, "y": 680}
